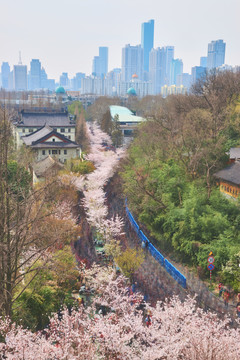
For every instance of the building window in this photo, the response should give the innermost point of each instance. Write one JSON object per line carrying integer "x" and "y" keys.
{"x": 69, "y": 137}
{"x": 23, "y": 130}
{"x": 69, "y": 130}
{"x": 65, "y": 152}
{"x": 43, "y": 152}
{"x": 54, "y": 152}
{"x": 49, "y": 151}
{"x": 59, "y": 152}
{"x": 30, "y": 130}
{"x": 62, "y": 130}
{"x": 53, "y": 140}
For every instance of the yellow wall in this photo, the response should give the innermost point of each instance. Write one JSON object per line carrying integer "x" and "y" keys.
{"x": 230, "y": 189}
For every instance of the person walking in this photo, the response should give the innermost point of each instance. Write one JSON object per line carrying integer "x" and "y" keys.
{"x": 220, "y": 285}
{"x": 238, "y": 310}
{"x": 226, "y": 298}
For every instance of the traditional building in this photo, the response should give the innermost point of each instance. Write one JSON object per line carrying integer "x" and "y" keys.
{"x": 229, "y": 179}
{"x": 30, "y": 121}
{"x": 47, "y": 141}
{"x": 44, "y": 168}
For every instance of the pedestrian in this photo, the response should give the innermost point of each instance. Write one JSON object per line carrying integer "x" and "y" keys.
{"x": 220, "y": 285}
{"x": 148, "y": 320}
{"x": 226, "y": 298}
{"x": 238, "y": 309}
{"x": 238, "y": 297}
{"x": 221, "y": 290}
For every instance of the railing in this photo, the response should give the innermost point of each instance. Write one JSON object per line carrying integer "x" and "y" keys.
{"x": 176, "y": 275}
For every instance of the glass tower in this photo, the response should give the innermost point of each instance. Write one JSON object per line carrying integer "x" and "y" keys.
{"x": 216, "y": 54}
{"x": 147, "y": 41}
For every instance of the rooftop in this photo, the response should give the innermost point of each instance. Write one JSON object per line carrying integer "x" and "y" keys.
{"x": 42, "y": 166}
{"x": 230, "y": 174}
{"x": 234, "y": 153}
{"x": 124, "y": 114}
{"x": 42, "y": 118}
{"x": 29, "y": 139}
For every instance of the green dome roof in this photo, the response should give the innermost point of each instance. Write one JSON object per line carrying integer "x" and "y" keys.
{"x": 131, "y": 91}
{"x": 60, "y": 90}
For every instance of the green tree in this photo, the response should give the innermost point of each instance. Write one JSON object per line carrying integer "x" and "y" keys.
{"x": 130, "y": 261}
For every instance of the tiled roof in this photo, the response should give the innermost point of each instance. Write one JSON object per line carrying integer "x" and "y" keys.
{"x": 44, "y": 165}
{"x": 234, "y": 153}
{"x": 29, "y": 139}
{"x": 41, "y": 119}
{"x": 55, "y": 145}
{"x": 39, "y": 139}
{"x": 230, "y": 173}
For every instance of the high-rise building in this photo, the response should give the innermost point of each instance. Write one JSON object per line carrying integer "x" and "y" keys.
{"x": 77, "y": 81}
{"x": 103, "y": 56}
{"x": 156, "y": 69}
{"x": 203, "y": 61}
{"x": 132, "y": 62}
{"x": 147, "y": 42}
{"x": 64, "y": 80}
{"x": 5, "y": 69}
{"x": 35, "y": 74}
{"x": 198, "y": 72}
{"x": 185, "y": 80}
{"x": 176, "y": 69}
{"x": 100, "y": 63}
{"x": 160, "y": 66}
{"x": 44, "y": 79}
{"x": 216, "y": 54}
{"x": 20, "y": 77}
{"x": 96, "y": 66}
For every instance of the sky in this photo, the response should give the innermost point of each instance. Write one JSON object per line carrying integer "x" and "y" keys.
{"x": 65, "y": 34}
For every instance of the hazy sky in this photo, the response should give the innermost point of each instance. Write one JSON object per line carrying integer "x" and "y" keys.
{"x": 65, "y": 34}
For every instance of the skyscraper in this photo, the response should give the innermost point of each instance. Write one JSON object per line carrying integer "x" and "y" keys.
{"x": 216, "y": 54}
{"x": 103, "y": 55}
{"x": 5, "y": 69}
{"x": 147, "y": 41}
{"x": 100, "y": 62}
{"x": 64, "y": 80}
{"x": 20, "y": 77}
{"x": 203, "y": 61}
{"x": 176, "y": 69}
{"x": 35, "y": 75}
{"x": 96, "y": 66}
{"x": 156, "y": 69}
{"x": 198, "y": 72}
{"x": 160, "y": 67}
{"x": 132, "y": 62}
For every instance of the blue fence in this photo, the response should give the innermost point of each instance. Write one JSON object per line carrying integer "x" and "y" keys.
{"x": 155, "y": 253}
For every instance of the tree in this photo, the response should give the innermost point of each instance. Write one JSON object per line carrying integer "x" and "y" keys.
{"x": 27, "y": 230}
{"x": 177, "y": 331}
{"x": 130, "y": 261}
{"x": 116, "y": 135}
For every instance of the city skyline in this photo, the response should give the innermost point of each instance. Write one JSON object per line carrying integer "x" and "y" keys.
{"x": 66, "y": 36}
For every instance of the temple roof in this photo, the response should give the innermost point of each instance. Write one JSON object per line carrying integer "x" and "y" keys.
{"x": 230, "y": 174}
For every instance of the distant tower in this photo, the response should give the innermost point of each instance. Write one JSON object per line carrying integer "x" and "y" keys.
{"x": 35, "y": 74}
{"x": 216, "y": 54}
{"x": 5, "y": 70}
{"x": 20, "y": 75}
{"x": 132, "y": 62}
{"x": 147, "y": 41}
{"x": 100, "y": 62}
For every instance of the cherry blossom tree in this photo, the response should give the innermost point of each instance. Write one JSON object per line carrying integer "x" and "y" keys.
{"x": 114, "y": 327}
